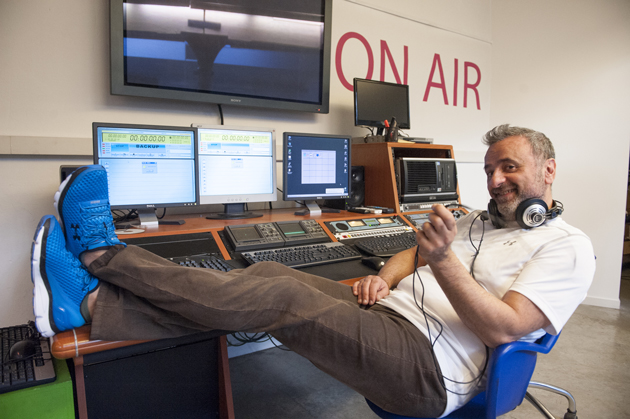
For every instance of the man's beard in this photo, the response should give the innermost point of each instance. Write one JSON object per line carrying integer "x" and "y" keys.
{"x": 508, "y": 209}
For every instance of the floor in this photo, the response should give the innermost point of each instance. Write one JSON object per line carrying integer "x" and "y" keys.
{"x": 591, "y": 360}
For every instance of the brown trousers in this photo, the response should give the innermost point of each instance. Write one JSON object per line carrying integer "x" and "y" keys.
{"x": 373, "y": 350}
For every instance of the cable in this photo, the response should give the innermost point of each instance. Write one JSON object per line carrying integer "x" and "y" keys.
{"x": 221, "y": 112}
{"x": 483, "y": 232}
{"x": 440, "y": 326}
{"x": 244, "y": 338}
{"x": 120, "y": 216}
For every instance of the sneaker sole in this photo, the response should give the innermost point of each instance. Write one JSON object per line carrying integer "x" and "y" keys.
{"x": 61, "y": 194}
{"x": 41, "y": 289}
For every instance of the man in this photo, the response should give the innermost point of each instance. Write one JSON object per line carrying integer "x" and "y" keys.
{"x": 418, "y": 350}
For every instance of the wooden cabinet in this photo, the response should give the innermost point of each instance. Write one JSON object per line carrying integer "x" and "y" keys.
{"x": 380, "y": 175}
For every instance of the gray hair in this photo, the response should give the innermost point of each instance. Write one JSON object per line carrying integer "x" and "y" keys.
{"x": 541, "y": 145}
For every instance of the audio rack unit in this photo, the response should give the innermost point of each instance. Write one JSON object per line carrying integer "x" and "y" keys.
{"x": 367, "y": 227}
{"x": 275, "y": 235}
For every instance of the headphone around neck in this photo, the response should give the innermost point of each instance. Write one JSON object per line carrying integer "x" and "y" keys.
{"x": 530, "y": 213}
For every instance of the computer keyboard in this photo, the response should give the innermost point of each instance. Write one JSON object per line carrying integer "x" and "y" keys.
{"x": 304, "y": 256}
{"x": 202, "y": 261}
{"x": 30, "y": 371}
{"x": 387, "y": 245}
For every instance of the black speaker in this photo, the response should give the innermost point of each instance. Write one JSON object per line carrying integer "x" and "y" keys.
{"x": 357, "y": 191}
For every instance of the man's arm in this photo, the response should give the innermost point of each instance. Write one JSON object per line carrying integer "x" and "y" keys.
{"x": 494, "y": 321}
{"x": 372, "y": 288}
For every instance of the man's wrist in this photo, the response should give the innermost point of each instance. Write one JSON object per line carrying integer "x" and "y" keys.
{"x": 443, "y": 262}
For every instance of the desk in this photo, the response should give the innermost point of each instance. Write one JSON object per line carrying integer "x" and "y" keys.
{"x": 143, "y": 374}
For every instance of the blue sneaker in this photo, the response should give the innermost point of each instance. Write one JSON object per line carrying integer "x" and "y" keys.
{"x": 61, "y": 283}
{"x": 82, "y": 203}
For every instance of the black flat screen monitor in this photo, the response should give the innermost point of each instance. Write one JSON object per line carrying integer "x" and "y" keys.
{"x": 316, "y": 166}
{"x": 262, "y": 53}
{"x": 237, "y": 166}
{"x": 147, "y": 166}
{"x": 377, "y": 101}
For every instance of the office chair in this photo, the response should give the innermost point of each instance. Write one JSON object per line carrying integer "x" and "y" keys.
{"x": 510, "y": 369}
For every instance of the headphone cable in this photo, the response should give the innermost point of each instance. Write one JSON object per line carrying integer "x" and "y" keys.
{"x": 441, "y": 327}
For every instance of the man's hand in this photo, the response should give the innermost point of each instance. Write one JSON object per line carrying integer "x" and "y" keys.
{"x": 436, "y": 236}
{"x": 370, "y": 289}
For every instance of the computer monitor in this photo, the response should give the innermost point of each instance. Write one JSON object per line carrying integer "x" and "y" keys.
{"x": 147, "y": 166}
{"x": 377, "y": 101}
{"x": 237, "y": 166}
{"x": 316, "y": 166}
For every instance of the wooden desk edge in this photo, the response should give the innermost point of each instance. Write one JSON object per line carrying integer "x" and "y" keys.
{"x": 66, "y": 344}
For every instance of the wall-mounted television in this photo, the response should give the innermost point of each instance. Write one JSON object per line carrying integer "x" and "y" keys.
{"x": 260, "y": 53}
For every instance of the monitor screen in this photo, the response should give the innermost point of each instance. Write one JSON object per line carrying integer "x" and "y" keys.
{"x": 263, "y": 53}
{"x": 377, "y": 101}
{"x": 147, "y": 166}
{"x": 237, "y": 166}
{"x": 316, "y": 166}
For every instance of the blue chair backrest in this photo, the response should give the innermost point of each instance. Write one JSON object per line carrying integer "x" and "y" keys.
{"x": 510, "y": 371}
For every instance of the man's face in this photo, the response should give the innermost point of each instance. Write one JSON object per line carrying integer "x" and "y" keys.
{"x": 514, "y": 175}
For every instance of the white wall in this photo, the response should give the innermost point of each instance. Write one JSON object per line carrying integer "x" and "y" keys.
{"x": 563, "y": 67}
{"x": 54, "y": 82}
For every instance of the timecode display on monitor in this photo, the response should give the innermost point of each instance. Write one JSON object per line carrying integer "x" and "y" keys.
{"x": 147, "y": 166}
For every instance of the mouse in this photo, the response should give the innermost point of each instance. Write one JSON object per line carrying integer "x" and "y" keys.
{"x": 22, "y": 349}
{"x": 373, "y": 262}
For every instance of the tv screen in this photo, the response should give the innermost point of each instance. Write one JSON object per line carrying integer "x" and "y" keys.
{"x": 377, "y": 101}
{"x": 262, "y": 53}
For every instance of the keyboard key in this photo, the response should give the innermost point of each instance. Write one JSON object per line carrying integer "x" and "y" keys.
{"x": 304, "y": 256}
{"x": 19, "y": 374}
{"x": 388, "y": 245}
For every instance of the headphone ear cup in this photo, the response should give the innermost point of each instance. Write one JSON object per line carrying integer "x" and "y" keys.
{"x": 495, "y": 215}
{"x": 531, "y": 213}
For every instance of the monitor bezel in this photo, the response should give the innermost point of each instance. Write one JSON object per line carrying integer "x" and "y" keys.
{"x": 118, "y": 86}
{"x": 97, "y": 125}
{"x": 379, "y": 124}
{"x": 255, "y": 198}
{"x": 285, "y": 191}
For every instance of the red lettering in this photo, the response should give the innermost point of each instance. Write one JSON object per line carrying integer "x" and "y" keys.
{"x": 386, "y": 52}
{"x": 431, "y": 83}
{"x": 473, "y": 87}
{"x": 455, "y": 82}
{"x": 368, "y": 49}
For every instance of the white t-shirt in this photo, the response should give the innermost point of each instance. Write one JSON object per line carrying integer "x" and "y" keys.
{"x": 552, "y": 265}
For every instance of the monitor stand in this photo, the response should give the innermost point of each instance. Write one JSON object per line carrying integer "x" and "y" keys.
{"x": 312, "y": 208}
{"x": 147, "y": 217}
{"x": 233, "y": 212}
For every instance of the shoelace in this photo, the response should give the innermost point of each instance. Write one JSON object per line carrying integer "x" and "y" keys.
{"x": 85, "y": 277}
{"x": 99, "y": 223}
